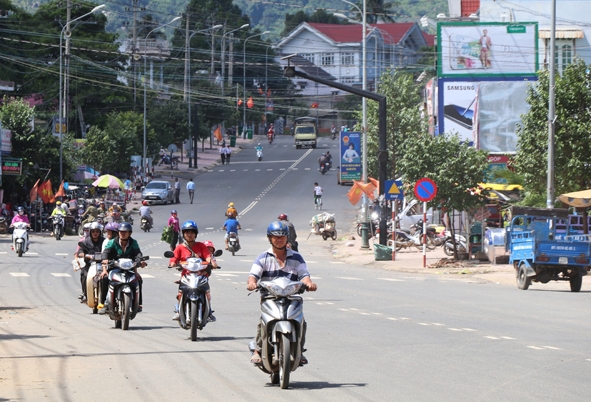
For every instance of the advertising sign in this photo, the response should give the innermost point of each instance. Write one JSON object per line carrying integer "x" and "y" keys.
{"x": 486, "y": 49}
{"x": 350, "y": 154}
{"x": 458, "y": 108}
{"x": 11, "y": 167}
{"x": 59, "y": 124}
{"x": 6, "y": 144}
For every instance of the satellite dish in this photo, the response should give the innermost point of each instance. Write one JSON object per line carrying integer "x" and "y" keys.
{"x": 172, "y": 148}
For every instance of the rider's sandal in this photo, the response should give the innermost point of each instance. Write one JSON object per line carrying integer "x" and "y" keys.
{"x": 303, "y": 360}
{"x": 256, "y": 359}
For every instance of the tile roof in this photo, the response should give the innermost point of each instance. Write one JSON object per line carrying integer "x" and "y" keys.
{"x": 353, "y": 32}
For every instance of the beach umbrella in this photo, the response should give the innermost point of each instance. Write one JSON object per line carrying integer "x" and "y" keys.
{"x": 108, "y": 180}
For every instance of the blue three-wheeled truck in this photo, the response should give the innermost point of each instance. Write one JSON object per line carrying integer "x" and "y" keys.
{"x": 543, "y": 247}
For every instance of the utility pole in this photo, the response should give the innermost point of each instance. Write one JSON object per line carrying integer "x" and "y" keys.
{"x": 231, "y": 60}
{"x": 68, "y": 33}
{"x": 212, "y": 72}
{"x": 187, "y": 72}
{"x": 134, "y": 50}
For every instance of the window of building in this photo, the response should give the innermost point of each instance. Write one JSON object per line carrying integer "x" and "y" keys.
{"x": 347, "y": 59}
{"x": 327, "y": 59}
{"x": 308, "y": 56}
{"x": 563, "y": 56}
{"x": 347, "y": 80}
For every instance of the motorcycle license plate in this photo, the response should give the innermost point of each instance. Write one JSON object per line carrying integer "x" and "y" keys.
{"x": 563, "y": 260}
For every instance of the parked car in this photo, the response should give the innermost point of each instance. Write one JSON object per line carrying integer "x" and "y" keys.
{"x": 158, "y": 191}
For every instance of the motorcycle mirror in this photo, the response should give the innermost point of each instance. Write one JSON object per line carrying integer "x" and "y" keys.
{"x": 217, "y": 253}
{"x": 168, "y": 254}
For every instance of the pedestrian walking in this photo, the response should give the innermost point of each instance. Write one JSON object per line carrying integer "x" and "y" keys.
{"x": 228, "y": 154}
{"x": 177, "y": 191}
{"x": 173, "y": 222}
{"x": 191, "y": 189}
{"x": 223, "y": 153}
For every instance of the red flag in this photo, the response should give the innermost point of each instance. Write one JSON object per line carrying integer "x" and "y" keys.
{"x": 314, "y": 105}
{"x": 33, "y": 193}
{"x": 218, "y": 133}
{"x": 355, "y": 193}
{"x": 250, "y": 103}
{"x": 45, "y": 191}
{"x": 269, "y": 93}
{"x": 239, "y": 102}
{"x": 60, "y": 192}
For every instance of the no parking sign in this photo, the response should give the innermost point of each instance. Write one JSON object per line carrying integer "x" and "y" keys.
{"x": 425, "y": 189}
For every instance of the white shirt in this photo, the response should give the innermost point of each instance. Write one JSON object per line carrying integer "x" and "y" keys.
{"x": 318, "y": 190}
{"x": 177, "y": 185}
{"x": 191, "y": 186}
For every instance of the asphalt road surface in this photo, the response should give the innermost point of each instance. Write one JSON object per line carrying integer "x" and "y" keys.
{"x": 373, "y": 335}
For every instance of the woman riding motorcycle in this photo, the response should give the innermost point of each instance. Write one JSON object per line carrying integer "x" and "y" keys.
{"x": 190, "y": 248}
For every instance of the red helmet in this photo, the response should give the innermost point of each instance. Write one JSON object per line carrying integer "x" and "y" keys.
{"x": 208, "y": 243}
{"x": 145, "y": 202}
{"x": 282, "y": 217}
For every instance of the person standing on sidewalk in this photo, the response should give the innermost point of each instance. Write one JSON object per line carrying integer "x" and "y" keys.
{"x": 177, "y": 191}
{"x": 173, "y": 222}
{"x": 223, "y": 153}
{"x": 191, "y": 189}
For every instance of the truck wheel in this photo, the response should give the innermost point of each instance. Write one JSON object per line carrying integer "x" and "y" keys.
{"x": 576, "y": 280}
{"x": 523, "y": 281}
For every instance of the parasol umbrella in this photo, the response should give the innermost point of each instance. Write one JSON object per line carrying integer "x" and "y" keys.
{"x": 108, "y": 180}
{"x": 580, "y": 199}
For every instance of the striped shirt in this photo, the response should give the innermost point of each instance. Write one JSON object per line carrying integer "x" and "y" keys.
{"x": 266, "y": 267}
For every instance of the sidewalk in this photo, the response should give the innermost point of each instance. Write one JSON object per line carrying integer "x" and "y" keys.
{"x": 206, "y": 159}
{"x": 348, "y": 249}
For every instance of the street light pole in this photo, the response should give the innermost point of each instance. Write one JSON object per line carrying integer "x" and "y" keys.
{"x": 61, "y": 95}
{"x": 189, "y": 92}
{"x": 266, "y": 80}
{"x": 244, "y": 78}
{"x": 144, "y": 162}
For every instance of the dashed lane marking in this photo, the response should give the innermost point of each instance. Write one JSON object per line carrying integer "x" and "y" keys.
{"x": 28, "y": 252}
{"x": 336, "y": 262}
{"x": 248, "y": 230}
{"x": 62, "y": 254}
{"x": 365, "y": 313}
{"x": 469, "y": 329}
{"x": 218, "y": 274}
{"x": 19, "y": 274}
{"x": 306, "y": 168}
{"x": 535, "y": 347}
{"x": 552, "y": 347}
{"x": 221, "y": 170}
{"x": 491, "y": 337}
{"x": 393, "y": 319}
{"x": 438, "y": 324}
{"x": 232, "y": 170}
{"x": 245, "y": 260}
{"x": 156, "y": 257}
{"x": 423, "y": 323}
{"x": 454, "y": 329}
{"x": 3, "y": 252}
{"x": 236, "y": 272}
{"x": 209, "y": 228}
{"x": 61, "y": 274}
{"x": 348, "y": 278}
{"x": 282, "y": 169}
{"x": 391, "y": 279}
{"x": 147, "y": 276}
{"x": 507, "y": 337}
{"x": 257, "y": 170}
{"x": 269, "y": 170}
{"x": 311, "y": 262}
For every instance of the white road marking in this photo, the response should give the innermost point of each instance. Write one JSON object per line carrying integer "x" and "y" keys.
{"x": 491, "y": 337}
{"x": 589, "y": 360}
{"x": 246, "y": 260}
{"x": 336, "y": 262}
{"x": 535, "y": 347}
{"x": 210, "y": 171}
{"x": 19, "y": 274}
{"x": 236, "y": 272}
{"x": 306, "y": 168}
{"x": 349, "y": 278}
{"x": 282, "y": 169}
{"x": 245, "y": 170}
{"x": 61, "y": 274}
{"x": 311, "y": 262}
{"x": 209, "y": 228}
{"x": 469, "y": 329}
{"x": 344, "y": 309}
{"x": 294, "y": 169}
{"x": 353, "y": 309}
{"x": 438, "y": 324}
{"x": 391, "y": 279}
{"x": 62, "y": 254}
{"x": 3, "y": 252}
{"x": 507, "y": 337}
{"x": 257, "y": 170}
{"x": 147, "y": 276}
{"x": 221, "y": 170}
{"x": 552, "y": 347}
{"x": 269, "y": 170}
{"x": 32, "y": 253}
{"x": 232, "y": 170}
{"x": 218, "y": 274}
{"x": 423, "y": 323}
{"x": 156, "y": 257}
{"x": 373, "y": 313}
{"x": 404, "y": 318}
{"x": 454, "y": 329}
{"x": 329, "y": 303}
{"x": 364, "y": 313}
{"x": 248, "y": 230}
{"x": 393, "y": 319}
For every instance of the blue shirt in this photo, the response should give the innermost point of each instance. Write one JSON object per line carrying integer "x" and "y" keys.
{"x": 231, "y": 225}
{"x": 190, "y": 186}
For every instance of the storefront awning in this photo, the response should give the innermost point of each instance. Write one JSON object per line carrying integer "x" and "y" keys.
{"x": 562, "y": 33}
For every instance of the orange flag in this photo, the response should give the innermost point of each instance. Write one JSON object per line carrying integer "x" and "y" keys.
{"x": 33, "y": 193}
{"x": 355, "y": 193}
{"x": 314, "y": 105}
{"x": 60, "y": 192}
{"x": 239, "y": 102}
{"x": 250, "y": 103}
{"x": 368, "y": 188}
{"x": 45, "y": 191}
{"x": 218, "y": 133}
{"x": 374, "y": 182}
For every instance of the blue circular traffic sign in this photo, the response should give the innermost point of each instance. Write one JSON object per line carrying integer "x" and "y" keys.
{"x": 425, "y": 189}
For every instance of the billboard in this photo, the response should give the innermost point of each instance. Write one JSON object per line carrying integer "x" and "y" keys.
{"x": 457, "y": 107}
{"x": 350, "y": 155}
{"x": 487, "y": 49}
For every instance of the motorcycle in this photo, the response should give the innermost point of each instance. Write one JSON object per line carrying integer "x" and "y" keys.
{"x": 448, "y": 246}
{"x": 233, "y": 243}
{"x": 78, "y": 220}
{"x": 20, "y": 238}
{"x": 333, "y": 135}
{"x": 58, "y": 226}
{"x": 124, "y": 291}
{"x": 93, "y": 282}
{"x": 167, "y": 160}
{"x": 260, "y": 154}
{"x": 404, "y": 240}
{"x": 145, "y": 224}
{"x": 270, "y": 138}
{"x": 323, "y": 168}
{"x": 3, "y": 225}
{"x": 126, "y": 215}
{"x": 373, "y": 222}
{"x": 194, "y": 307}
{"x": 282, "y": 320}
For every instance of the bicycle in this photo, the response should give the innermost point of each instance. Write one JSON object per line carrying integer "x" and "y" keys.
{"x": 318, "y": 202}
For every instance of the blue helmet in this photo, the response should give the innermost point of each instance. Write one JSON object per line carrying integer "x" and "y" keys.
{"x": 125, "y": 227}
{"x": 278, "y": 228}
{"x": 190, "y": 225}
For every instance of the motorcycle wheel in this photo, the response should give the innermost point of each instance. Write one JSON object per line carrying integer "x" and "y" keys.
{"x": 260, "y": 158}
{"x": 284, "y": 361}
{"x": 399, "y": 240}
{"x": 233, "y": 252}
{"x": 274, "y": 378}
{"x": 194, "y": 323}
{"x": 334, "y": 235}
{"x": 431, "y": 244}
{"x": 323, "y": 171}
{"x": 174, "y": 164}
{"x": 19, "y": 249}
{"x": 126, "y": 311}
{"x": 448, "y": 250}
{"x": 81, "y": 230}
{"x": 324, "y": 236}
{"x": 359, "y": 229}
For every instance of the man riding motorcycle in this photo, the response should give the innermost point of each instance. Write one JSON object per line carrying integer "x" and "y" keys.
{"x": 278, "y": 261}
{"x": 88, "y": 247}
{"x": 328, "y": 157}
{"x": 190, "y": 248}
{"x": 146, "y": 213}
{"x": 231, "y": 226}
{"x": 123, "y": 246}
{"x": 90, "y": 214}
{"x": 21, "y": 217}
{"x": 322, "y": 161}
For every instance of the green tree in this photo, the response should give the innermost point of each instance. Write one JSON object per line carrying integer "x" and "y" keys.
{"x": 572, "y": 146}
{"x": 292, "y": 21}
{"x": 170, "y": 121}
{"x": 377, "y": 11}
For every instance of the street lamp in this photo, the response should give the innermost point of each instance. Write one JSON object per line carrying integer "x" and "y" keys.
{"x": 61, "y": 108}
{"x": 244, "y": 78}
{"x": 189, "y": 90}
{"x": 266, "y": 80}
{"x": 364, "y": 227}
{"x": 144, "y": 162}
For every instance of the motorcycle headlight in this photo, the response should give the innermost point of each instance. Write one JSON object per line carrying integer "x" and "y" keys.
{"x": 280, "y": 291}
{"x": 125, "y": 263}
{"x": 374, "y": 215}
{"x": 194, "y": 264}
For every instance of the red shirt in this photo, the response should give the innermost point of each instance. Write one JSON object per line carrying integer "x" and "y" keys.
{"x": 181, "y": 253}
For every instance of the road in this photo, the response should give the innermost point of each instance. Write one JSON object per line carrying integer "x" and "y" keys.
{"x": 374, "y": 335}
